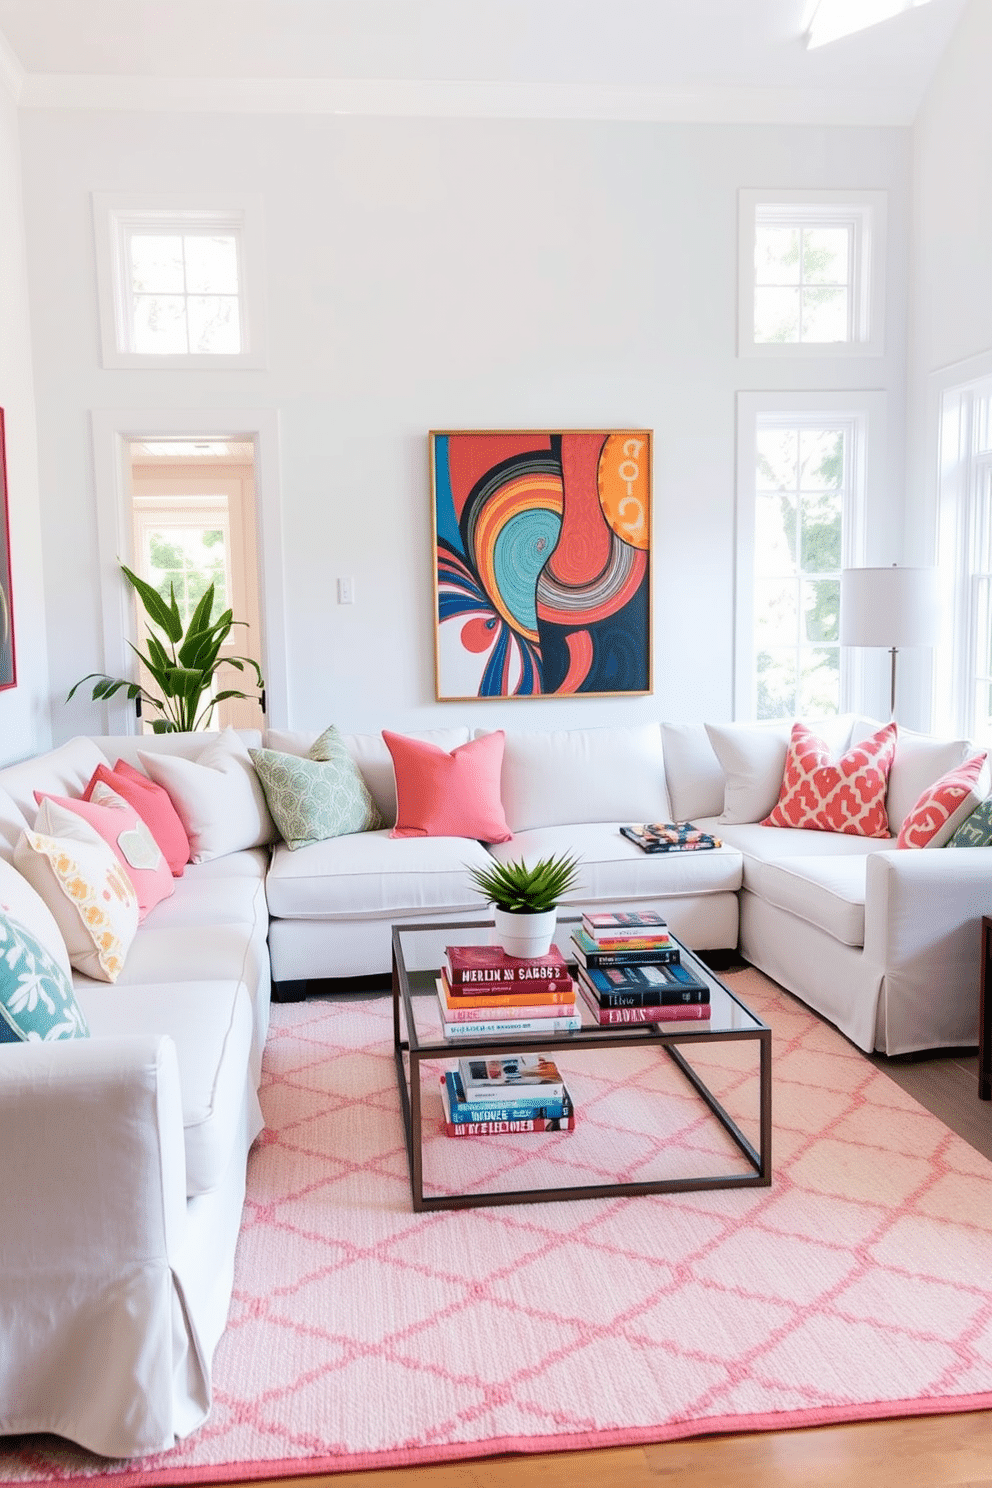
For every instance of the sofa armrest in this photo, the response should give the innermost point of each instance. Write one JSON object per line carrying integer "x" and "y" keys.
{"x": 92, "y": 1163}
{"x": 923, "y": 910}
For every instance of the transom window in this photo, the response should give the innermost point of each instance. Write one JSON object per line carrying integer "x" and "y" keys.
{"x": 179, "y": 285}
{"x": 183, "y": 291}
{"x": 810, "y": 272}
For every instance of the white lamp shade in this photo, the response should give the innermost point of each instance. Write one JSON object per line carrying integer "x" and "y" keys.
{"x": 889, "y": 607}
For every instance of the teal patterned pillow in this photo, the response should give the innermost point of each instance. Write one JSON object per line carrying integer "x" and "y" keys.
{"x": 37, "y": 1003}
{"x": 322, "y": 795}
{"x": 976, "y": 829}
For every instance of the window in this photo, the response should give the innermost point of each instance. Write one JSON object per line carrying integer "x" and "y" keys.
{"x": 810, "y": 272}
{"x": 964, "y": 671}
{"x": 175, "y": 284}
{"x": 801, "y": 519}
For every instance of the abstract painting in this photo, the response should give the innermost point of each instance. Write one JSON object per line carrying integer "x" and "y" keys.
{"x": 8, "y": 666}
{"x": 542, "y": 562}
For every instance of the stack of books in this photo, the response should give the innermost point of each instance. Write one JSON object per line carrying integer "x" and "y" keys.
{"x": 630, "y": 971}
{"x": 482, "y": 991}
{"x": 515, "y": 1093}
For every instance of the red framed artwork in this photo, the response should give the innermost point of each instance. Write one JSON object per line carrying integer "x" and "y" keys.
{"x": 8, "y": 663}
{"x": 542, "y": 562}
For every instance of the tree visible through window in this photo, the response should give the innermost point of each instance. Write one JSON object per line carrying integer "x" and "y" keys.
{"x": 187, "y": 560}
{"x": 801, "y": 490}
{"x": 802, "y": 279}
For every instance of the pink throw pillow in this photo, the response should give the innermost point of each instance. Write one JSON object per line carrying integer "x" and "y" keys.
{"x": 944, "y": 805}
{"x": 153, "y": 804}
{"x": 448, "y": 795}
{"x": 846, "y": 796}
{"x": 129, "y": 836}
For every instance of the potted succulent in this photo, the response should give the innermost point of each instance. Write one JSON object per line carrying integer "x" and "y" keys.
{"x": 183, "y": 662}
{"x": 525, "y": 900}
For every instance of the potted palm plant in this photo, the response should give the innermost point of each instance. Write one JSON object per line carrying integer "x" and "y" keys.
{"x": 525, "y": 900}
{"x": 183, "y": 661}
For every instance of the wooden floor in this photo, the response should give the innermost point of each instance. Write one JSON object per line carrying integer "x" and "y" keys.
{"x": 916, "y": 1452}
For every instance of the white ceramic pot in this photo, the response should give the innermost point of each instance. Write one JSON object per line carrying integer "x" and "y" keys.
{"x": 525, "y": 935}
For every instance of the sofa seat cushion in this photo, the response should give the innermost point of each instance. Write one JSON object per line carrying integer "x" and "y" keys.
{"x": 210, "y": 1024}
{"x": 213, "y": 901}
{"x": 779, "y": 844}
{"x": 828, "y": 892}
{"x": 371, "y": 876}
{"x": 611, "y": 868}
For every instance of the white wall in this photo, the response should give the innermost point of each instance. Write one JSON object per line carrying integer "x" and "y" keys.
{"x": 25, "y": 723}
{"x": 431, "y": 274}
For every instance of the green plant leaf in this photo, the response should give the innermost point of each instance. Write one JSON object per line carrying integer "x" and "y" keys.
{"x": 164, "y": 616}
{"x": 518, "y": 889}
{"x": 199, "y": 625}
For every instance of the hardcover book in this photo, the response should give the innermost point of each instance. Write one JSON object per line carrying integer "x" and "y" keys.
{"x": 537, "y": 994}
{"x": 491, "y": 1127}
{"x": 529, "y": 1072}
{"x": 626, "y": 921}
{"x": 567, "y": 1019}
{"x": 614, "y": 1017}
{"x": 644, "y": 996}
{"x": 470, "y": 965}
{"x": 672, "y": 983}
{"x": 499, "y": 1109}
{"x": 588, "y": 953}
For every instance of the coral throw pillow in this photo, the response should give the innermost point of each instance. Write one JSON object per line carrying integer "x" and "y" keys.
{"x": 131, "y": 839}
{"x": 448, "y": 795}
{"x": 153, "y": 804}
{"x": 846, "y": 795}
{"x": 947, "y": 803}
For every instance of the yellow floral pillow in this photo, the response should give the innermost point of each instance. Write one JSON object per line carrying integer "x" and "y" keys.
{"x": 84, "y": 885}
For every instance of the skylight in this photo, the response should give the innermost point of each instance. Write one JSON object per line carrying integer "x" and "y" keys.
{"x": 833, "y": 19}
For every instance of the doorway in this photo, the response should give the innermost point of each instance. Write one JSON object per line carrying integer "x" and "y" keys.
{"x": 193, "y": 516}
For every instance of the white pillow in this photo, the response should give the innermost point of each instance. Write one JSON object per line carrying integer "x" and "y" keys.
{"x": 920, "y": 760}
{"x": 84, "y": 885}
{"x": 218, "y": 796}
{"x": 559, "y": 778}
{"x": 753, "y": 759}
{"x": 27, "y": 906}
{"x": 692, "y": 772}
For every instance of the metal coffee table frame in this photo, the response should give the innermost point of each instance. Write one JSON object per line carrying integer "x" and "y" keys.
{"x": 410, "y": 1052}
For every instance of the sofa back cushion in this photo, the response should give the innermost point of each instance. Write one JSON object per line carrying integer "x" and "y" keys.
{"x": 583, "y": 775}
{"x": 752, "y": 757}
{"x": 371, "y": 755}
{"x": 693, "y": 773}
{"x": 920, "y": 760}
{"x": 65, "y": 771}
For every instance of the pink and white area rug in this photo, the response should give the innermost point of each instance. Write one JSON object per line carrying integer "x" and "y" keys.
{"x": 362, "y": 1335}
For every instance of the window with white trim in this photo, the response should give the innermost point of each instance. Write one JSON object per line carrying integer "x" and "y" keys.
{"x": 177, "y": 285}
{"x": 964, "y": 670}
{"x": 802, "y": 478}
{"x": 811, "y": 272}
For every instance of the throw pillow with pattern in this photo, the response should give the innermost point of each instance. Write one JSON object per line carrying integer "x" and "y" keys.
{"x": 976, "y": 829}
{"x": 318, "y": 796}
{"x": 945, "y": 804}
{"x": 846, "y": 795}
{"x": 37, "y": 1003}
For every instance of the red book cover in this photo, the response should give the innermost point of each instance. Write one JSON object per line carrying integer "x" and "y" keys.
{"x": 512, "y": 994}
{"x": 475, "y": 965}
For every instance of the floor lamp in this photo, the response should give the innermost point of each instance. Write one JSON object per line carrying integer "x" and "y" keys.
{"x": 891, "y": 607}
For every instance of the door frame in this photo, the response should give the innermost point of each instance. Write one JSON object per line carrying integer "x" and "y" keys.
{"x": 112, "y": 431}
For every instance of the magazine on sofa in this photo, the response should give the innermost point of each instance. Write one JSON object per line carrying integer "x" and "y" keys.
{"x": 655, "y": 837}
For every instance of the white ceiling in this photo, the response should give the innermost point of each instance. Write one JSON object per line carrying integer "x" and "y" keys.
{"x": 692, "y": 59}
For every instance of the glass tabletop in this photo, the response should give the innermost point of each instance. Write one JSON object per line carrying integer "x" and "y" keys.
{"x": 421, "y": 950}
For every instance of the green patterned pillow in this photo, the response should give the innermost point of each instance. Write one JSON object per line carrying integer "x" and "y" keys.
{"x": 37, "y": 1003}
{"x": 976, "y": 829}
{"x": 317, "y": 796}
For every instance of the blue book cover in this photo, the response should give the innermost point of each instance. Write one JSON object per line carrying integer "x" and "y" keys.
{"x": 463, "y": 1110}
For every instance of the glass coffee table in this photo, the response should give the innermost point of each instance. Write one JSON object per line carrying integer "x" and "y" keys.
{"x": 421, "y": 1048}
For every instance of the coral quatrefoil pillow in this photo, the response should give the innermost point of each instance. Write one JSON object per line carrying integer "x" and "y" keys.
{"x": 846, "y": 795}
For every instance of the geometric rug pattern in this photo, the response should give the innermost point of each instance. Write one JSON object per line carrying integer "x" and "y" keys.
{"x": 361, "y": 1335}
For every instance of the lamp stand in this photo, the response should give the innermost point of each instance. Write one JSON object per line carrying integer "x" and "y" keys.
{"x": 892, "y": 685}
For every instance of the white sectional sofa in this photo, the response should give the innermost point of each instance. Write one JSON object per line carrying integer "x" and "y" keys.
{"x": 123, "y": 1157}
